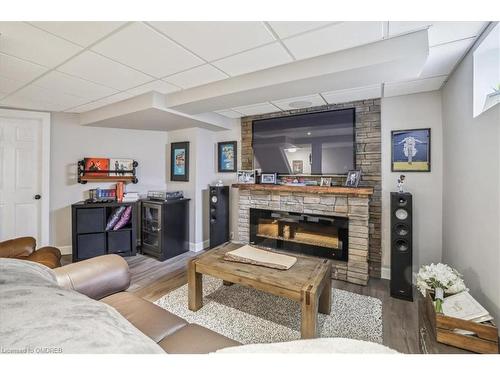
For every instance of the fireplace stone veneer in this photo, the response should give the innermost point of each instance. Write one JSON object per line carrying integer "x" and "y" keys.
{"x": 353, "y": 206}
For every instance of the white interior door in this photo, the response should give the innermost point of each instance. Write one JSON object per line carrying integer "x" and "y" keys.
{"x": 23, "y": 184}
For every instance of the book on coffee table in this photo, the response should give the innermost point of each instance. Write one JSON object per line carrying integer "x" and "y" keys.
{"x": 252, "y": 255}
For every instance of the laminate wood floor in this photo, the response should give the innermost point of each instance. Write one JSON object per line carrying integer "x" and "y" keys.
{"x": 152, "y": 279}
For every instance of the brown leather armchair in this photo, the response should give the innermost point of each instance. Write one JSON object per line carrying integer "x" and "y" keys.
{"x": 24, "y": 248}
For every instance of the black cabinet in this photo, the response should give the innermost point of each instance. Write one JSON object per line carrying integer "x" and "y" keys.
{"x": 90, "y": 238}
{"x": 164, "y": 228}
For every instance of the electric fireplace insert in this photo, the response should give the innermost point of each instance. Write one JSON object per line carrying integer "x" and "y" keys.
{"x": 309, "y": 234}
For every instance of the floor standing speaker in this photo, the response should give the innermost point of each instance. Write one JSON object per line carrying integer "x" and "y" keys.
{"x": 401, "y": 246}
{"x": 219, "y": 215}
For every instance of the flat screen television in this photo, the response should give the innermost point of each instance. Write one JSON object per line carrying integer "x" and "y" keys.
{"x": 311, "y": 143}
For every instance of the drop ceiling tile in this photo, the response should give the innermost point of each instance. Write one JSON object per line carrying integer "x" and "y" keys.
{"x": 198, "y": 76}
{"x": 101, "y": 70}
{"x": 33, "y": 97}
{"x": 412, "y": 87}
{"x": 158, "y": 86}
{"x": 442, "y": 59}
{"x": 255, "y": 59}
{"x": 15, "y": 72}
{"x": 229, "y": 113}
{"x": 100, "y": 103}
{"x": 214, "y": 40}
{"x": 439, "y": 32}
{"x": 256, "y": 109}
{"x": 29, "y": 43}
{"x": 299, "y": 102}
{"x": 284, "y": 29}
{"x": 83, "y": 33}
{"x": 8, "y": 85}
{"x": 31, "y": 104}
{"x": 334, "y": 38}
{"x": 349, "y": 95}
{"x": 73, "y": 85}
{"x": 145, "y": 49}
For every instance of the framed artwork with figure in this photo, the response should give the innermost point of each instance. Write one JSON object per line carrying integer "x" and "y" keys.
{"x": 227, "y": 156}
{"x": 179, "y": 161}
{"x": 411, "y": 150}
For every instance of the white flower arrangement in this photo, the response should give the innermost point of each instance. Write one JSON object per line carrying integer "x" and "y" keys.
{"x": 439, "y": 278}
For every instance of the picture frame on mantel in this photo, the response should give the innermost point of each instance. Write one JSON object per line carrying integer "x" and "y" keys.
{"x": 179, "y": 161}
{"x": 411, "y": 150}
{"x": 227, "y": 157}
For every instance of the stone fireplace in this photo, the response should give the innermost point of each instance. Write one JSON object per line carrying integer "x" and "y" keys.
{"x": 314, "y": 203}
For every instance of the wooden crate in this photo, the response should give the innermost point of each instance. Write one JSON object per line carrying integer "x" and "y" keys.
{"x": 486, "y": 341}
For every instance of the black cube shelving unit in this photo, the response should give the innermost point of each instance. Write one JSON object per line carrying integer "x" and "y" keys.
{"x": 90, "y": 238}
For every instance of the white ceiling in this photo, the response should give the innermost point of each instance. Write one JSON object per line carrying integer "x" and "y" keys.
{"x": 81, "y": 66}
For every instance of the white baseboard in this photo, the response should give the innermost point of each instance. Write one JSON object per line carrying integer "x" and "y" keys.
{"x": 65, "y": 250}
{"x": 199, "y": 246}
{"x": 385, "y": 273}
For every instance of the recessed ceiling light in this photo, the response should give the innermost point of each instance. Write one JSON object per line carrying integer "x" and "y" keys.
{"x": 308, "y": 133}
{"x": 300, "y": 104}
{"x": 291, "y": 149}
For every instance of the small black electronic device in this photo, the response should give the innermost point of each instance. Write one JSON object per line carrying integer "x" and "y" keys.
{"x": 165, "y": 195}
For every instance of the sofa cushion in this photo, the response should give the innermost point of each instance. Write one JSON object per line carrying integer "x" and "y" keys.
{"x": 36, "y": 313}
{"x": 149, "y": 318}
{"x": 195, "y": 339}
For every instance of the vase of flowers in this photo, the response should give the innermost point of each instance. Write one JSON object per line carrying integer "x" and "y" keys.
{"x": 439, "y": 279}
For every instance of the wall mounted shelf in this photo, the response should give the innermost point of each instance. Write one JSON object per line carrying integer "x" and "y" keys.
{"x": 85, "y": 176}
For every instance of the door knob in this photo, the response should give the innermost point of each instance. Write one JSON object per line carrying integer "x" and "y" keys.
{"x": 38, "y": 196}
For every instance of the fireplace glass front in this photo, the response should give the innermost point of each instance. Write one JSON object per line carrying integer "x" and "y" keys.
{"x": 317, "y": 235}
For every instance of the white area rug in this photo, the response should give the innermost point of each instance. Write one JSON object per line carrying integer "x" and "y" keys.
{"x": 251, "y": 317}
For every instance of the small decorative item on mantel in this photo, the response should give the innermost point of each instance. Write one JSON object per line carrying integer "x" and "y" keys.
{"x": 325, "y": 181}
{"x": 246, "y": 177}
{"x": 268, "y": 178}
{"x": 353, "y": 178}
{"x": 439, "y": 279}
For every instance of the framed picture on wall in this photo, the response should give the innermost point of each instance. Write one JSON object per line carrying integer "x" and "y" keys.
{"x": 179, "y": 161}
{"x": 227, "y": 158}
{"x": 411, "y": 150}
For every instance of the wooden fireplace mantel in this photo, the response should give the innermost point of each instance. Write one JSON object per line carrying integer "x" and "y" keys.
{"x": 340, "y": 190}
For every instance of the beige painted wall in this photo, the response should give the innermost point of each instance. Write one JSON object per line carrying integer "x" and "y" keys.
{"x": 471, "y": 203}
{"x": 71, "y": 142}
{"x": 415, "y": 111}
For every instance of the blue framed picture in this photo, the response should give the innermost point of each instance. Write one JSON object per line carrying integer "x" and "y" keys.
{"x": 179, "y": 161}
{"x": 411, "y": 150}
{"x": 227, "y": 156}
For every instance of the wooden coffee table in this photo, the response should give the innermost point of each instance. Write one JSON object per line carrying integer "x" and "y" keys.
{"x": 308, "y": 281}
